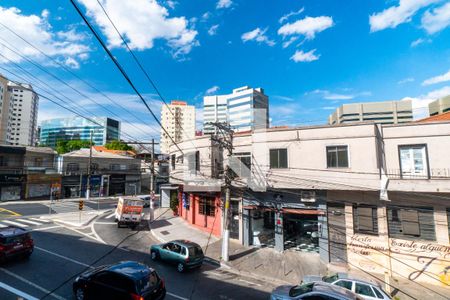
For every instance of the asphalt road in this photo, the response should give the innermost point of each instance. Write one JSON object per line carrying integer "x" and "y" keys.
{"x": 62, "y": 253}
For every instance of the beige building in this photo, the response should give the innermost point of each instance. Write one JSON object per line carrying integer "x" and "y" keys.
{"x": 178, "y": 119}
{"x": 439, "y": 106}
{"x": 374, "y": 197}
{"x": 6, "y": 112}
{"x": 387, "y": 112}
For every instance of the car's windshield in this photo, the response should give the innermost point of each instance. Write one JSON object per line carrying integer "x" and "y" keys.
{"x": 301, "y": 289}
{"x": 147, "y": 283}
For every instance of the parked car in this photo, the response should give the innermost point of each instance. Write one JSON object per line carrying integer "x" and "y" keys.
{"x": 126, "y": 280}
{"x": 14, "y": 242}
{"x": 129, "y": 211}
{"x": 184, "y": 254}
{"x": 313, "y": 291}
{"x": 367, "y": 290}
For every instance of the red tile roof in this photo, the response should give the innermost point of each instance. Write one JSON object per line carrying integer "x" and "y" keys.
{"x": 437, "y": 118}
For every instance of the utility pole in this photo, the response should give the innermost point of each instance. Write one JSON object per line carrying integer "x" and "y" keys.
{"x": 88, "y": 186}
{"x": 226, "y": 140}
{"x": 152, "y": 169}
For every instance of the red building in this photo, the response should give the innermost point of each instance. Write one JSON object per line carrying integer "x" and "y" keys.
{"x": 202, "y": 209}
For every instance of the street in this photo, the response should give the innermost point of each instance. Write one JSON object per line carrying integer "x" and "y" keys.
{"x": 62, "y": 252}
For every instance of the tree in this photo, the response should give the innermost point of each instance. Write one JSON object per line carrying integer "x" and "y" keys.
{"x": 118, "y": 145}
{"x": 73, "y": 145}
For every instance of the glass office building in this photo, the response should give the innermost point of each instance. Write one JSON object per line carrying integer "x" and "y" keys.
{"x": 77, "y": 128}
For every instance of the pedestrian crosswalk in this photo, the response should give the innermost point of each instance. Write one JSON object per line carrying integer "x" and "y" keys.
{"x": 23, "y": 222}
{"x": 68, "y": 206}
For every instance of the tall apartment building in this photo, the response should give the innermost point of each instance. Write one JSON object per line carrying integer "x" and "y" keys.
{"x": 24, "y": 105}
{"x": 245, "y": 109}
{"x": 439, "y": 106}
{"x": 214, "y": 111}
{"x": 5, "y": 112}
{"x": 178, "y": 119}
{"x": 66, "y": 129}
{"x": 387, "y": 112}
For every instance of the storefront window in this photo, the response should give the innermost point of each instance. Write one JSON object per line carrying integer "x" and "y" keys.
{"x": 207, "y": 207}
{"x": 301, "y": 232}
{"x": 263, "y": 228}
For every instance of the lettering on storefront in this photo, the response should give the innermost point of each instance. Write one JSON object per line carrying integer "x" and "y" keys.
{"x": 364, "y": 245}
{"x": 413, "y": 247}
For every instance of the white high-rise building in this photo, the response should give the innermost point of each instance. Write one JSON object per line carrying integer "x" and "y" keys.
{"x": 214, "y": 111}
{"x": 178, "y": 119}
{"x": 24, "y": 106}
{"x": 6, "y": 112}
{"x": 245, "y": 109}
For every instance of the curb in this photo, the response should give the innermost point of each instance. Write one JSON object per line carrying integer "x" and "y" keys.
{"x": 253, "y": 275}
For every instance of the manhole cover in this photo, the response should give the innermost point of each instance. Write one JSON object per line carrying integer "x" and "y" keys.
{"x": 165, "y": 232}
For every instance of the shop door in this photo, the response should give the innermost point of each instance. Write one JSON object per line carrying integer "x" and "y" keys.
{"x": 234, "y": 221}
{"x": 337, "y": 233}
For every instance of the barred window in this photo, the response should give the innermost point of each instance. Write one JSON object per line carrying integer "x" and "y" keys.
{"x": 207, "y": 207}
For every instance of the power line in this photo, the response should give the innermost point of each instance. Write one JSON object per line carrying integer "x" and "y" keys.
{"x": 122, "y": 71}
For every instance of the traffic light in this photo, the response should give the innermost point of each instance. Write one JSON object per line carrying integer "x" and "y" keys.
{"x": 80, "y": 205}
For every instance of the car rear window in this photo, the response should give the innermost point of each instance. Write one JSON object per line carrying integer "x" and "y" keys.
{"x": 195, "y": 251}
{"x": 15, "y": 239}
{"x": 363, "y": 289}
{"x": 301, "y": 289}
{"x": 147, "y": 282}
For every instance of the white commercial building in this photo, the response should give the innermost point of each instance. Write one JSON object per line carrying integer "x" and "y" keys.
{"x": 245, "y": 109}
{"x": 5, "y": 112}
{"x": 178, "y": 119}
{"x": 24, "y": 106}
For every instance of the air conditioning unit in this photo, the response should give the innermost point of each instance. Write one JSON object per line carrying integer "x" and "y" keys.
{"x": 308, "y": 196}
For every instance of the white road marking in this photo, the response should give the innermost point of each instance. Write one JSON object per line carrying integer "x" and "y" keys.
{"x": 46, "y": 228}
{"x": 248, "y": 282}
{"x": 41, "y": 220}
{"x": 14, "y": 223}
{"x": 16, "y": 292}
{"x": 176, "y": 296}
{"x": 111, "y": 215}
{"x": 30, "y": 222}
{"x": 2, "y": 226}
{"x": 106, "y": 223}
{"x": 96, "y": 235}
{"x": 64, "y": 257}
{"x": 32, "y": 284}
{"x": 82, "y": 233}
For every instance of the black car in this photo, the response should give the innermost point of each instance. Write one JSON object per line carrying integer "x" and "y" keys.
{"x": 127, "y": 280}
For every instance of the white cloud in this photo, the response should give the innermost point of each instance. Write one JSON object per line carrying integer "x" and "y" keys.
{"x": 171, "y": 4}
{"x": 290, "y": 41}
{"x": 420, "y": 103}
{"x": 396, "y": 15}
{"x": 329, "y": 107}
{"x": 142, "y": 22}
{"x": 406, "y": 80}
{"x": 419, "y": 41}
{"x": 300, "y": 56}
{"x": 308, "y": 26}
{"x": 291, "y": 14}
{"x": 437, "y": 19}
{"x": 45, "y": 13}
{"x": 284, "y": 98}
{"x": 206, "y": 16}
{"x": 213, "y": 29}
{"x": 212, "y": 90}
{"x": 258, "y": 35}
{"x": 72, "y": 63}
{"x": 36, "y": 30}
{"x": 328, "y": 95}
{"x": 437, "y": 79}
{"x": 224, "y": 4}
{"x": 72, "y": 35}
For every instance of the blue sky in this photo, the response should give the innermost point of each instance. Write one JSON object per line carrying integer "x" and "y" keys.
{"x": 309, "y": 56}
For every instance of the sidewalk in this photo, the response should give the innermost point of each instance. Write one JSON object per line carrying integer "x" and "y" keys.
{"x": 269, "y": 265}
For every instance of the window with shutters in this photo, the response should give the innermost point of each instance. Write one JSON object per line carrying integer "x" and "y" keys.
{"x": 411, "y": 223}
{"x": 365, "y": 219}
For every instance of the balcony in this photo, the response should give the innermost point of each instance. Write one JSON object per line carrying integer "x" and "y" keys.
{"x": 439, "y": 173}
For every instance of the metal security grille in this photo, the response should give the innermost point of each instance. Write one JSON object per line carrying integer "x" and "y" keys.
{"x": 411, "y": 223}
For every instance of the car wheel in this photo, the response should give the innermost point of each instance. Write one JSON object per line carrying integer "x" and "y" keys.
{"x": 79, "y": 294}
{"x": 180, "y": 267}
{"x": 154, "y": 255}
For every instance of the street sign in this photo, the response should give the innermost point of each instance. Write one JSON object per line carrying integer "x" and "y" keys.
{"x": 80, "y": 205}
